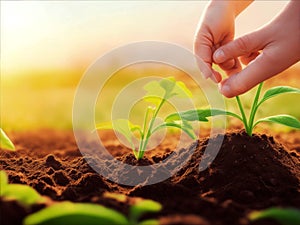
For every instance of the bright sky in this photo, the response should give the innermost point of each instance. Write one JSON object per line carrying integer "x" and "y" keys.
{"x": 63, "y": 34}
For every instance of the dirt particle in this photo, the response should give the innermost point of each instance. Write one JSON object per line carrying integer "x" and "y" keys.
{"x": 52, "y": 162}
{"x": 273, "y": 181}
{"x": 60, "y": 178}
{"x": 50, "y": 171}
{"x": 247, "y": 196}
{"x": 47, "y": 180}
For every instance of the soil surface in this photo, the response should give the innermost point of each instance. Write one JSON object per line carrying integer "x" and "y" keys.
{"x": 249, "y": 173}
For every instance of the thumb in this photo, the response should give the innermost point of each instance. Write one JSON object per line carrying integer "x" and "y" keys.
{"x": 244, "y": 45}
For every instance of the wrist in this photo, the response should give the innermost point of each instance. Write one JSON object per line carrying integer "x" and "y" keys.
{"x": 240, "y": 6}
{"x": 235, "y": 7}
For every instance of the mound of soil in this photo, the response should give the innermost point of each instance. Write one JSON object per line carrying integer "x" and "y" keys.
{"x": 249, "y": 173}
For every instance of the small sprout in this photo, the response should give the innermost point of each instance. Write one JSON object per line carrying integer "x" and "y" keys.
{"x": 23, "y": 194}
{"x": 116, "y": 196}
{"x": 142, "y": 207}
{"x": 5, "y": 142}
{"x": 75, "y": 214}
{"x": 285, "y": 216}
{"x": 90, "y": 214}
{"x": 3, "y": 181}
{"x": 250, "y": 124}
{"x": 157, "y": 94}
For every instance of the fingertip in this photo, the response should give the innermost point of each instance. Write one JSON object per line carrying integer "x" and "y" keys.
{"x": 225, "y": 89}
{"x": 219, "y": 56}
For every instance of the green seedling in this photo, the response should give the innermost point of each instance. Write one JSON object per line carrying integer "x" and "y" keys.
{"x": 285, "y": 216}
{"x": 250, "y": 124}
{"x": 5, "y": 142}
{"x": 158, "y": 93}
{"x": 92, "y": 214}
{"x": 23, "y": 194}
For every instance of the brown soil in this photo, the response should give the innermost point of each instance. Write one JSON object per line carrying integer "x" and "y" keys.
{"x": 249, "y": 173}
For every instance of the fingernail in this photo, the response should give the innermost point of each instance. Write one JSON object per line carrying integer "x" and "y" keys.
{"x": 224, "y": 89}
{"x": 219, "y": 55}
{"x": 206, "y": 75}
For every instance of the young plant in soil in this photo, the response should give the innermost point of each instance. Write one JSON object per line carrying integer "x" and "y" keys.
{"x": 250, "y": 123}
{"x": 158, "y": 93}
{"x": 91, "y": 214}
{"x": 5, "y": 142}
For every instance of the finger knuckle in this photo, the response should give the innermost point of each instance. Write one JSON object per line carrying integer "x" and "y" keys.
{"x": 243, "y": 44}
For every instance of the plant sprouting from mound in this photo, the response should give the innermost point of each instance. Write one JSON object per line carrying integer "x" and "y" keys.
{"x": 250, "y": 123}
{"x": 158, "y": 93}
{"x": 5, "y": 142}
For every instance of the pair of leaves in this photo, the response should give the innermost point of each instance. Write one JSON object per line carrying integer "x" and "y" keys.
{"x": 287, "y": 216}
{"x": 91, "y": 214}
{"x": 165, "y": 89}
{"x": 24, "y": 194}
{"x": 5, "y": 142}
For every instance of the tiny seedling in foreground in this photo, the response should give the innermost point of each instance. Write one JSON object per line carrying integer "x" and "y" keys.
{"x": 285, "y": 216}
{"x": 23, "y": 194}
{"x": 158, "y": 93}
{"x": 5, "y": 142}
{"x": 250, "y": 124}
{"x": 92, "y": 214}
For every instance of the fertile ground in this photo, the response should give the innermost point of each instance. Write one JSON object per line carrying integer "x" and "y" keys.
{"x": 249, "y": 173}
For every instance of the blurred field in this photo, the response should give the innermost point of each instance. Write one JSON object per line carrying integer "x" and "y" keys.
{"x": 43, "y": 99}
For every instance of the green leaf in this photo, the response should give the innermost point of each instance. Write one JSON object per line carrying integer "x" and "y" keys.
{"x": 175, "y": 88}
{"x": 76, "y": 214}
{"x": 286, "y": 120}
{"x": 3, "y": 182}
{"x": 168, "y": 85}
{"x": 155, "y": 93}
{"x": 149, "y": 222}
{"x": 165, "y": 89}
{"x": 288, "y": 216}
{"x": 142, "y": 207}
{"x": 24, "y": 194}
{"x": 198, "y": 115}
{"x": 272, "y": 92}
{"x": 183, "y": 125}
{"x": 122, "y": 126}
{"x": 5, "y": 142}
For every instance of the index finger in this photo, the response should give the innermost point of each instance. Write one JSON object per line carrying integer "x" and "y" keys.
{"x": 203, "y": 52}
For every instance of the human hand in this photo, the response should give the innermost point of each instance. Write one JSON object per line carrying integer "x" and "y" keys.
{"x": 279, "y": 43}
{"x": 217, "y": 29}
